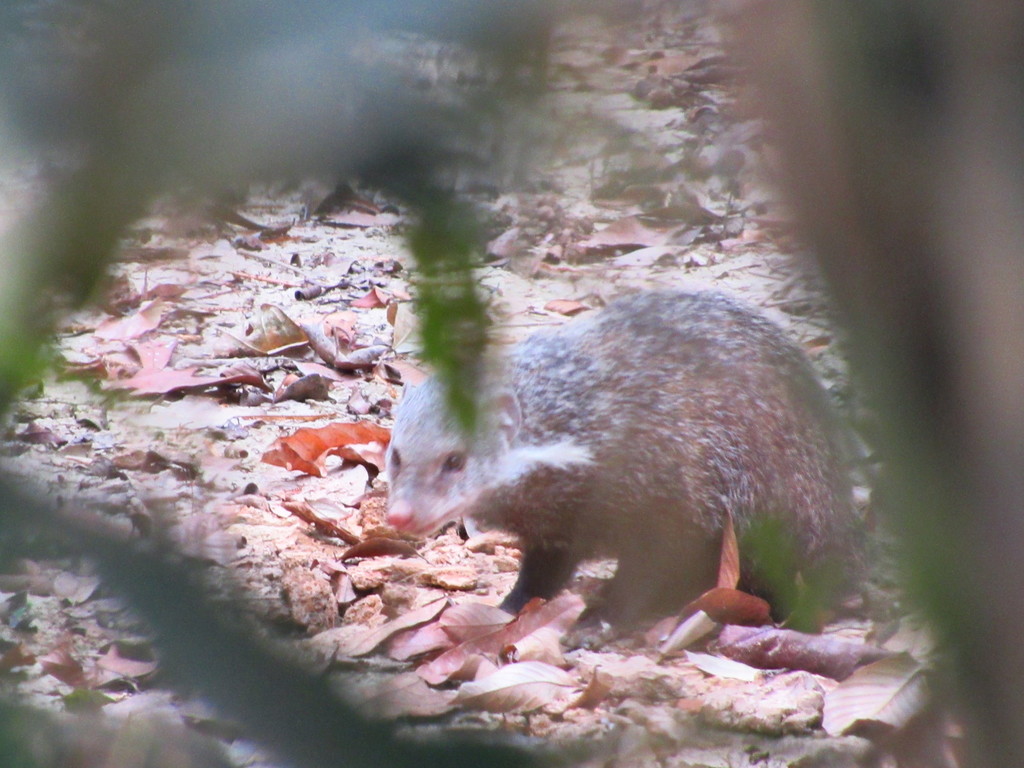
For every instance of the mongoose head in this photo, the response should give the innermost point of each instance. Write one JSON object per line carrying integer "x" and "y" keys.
{"x": 439, "y": 472}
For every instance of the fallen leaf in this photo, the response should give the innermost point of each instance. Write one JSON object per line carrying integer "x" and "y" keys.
{"x": 120, "y": 666}
{"x": 74, "y": 589}
{"x": 306, "y": 513}
{"x": 729, "y": 562}
{"x": 890, "y": 691}
{"x": 772, "y": 648}
{"x": 308, "y": 448}
{"x": 566, "y": 307}
{"x": 468, "y": 621}
{"x": 627, "y": 233}
{"x": 732, "y": 606}
{"x": 62, "y": 665}
{"x": 368, "y": 642}
{"x": 144, "y": 320}
{"x": 379, "y": 546}
{"x": 417, "y": 642}
{"x": 16, "y": 656}
{"x": 694, "y": 628}
{"x": 373, "y": 299}
{"x": 525, "y": 686}
{"x": 273, "y": 332}
{"x": 720, "y": 667}
{"x": 406, "y": 695}
{"x": 560, "y": 614}
{"x": 597, "y": 690}
{"x": 541, "y": 645}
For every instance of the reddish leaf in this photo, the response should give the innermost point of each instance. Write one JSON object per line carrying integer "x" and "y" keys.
{"x": 374, "y": 299}
{"x": 770, "y": 648}
{"x": 145, "y": 319}
{"x": 161, "y": 382}
{"x": 308, "y": 448}
{"x": 155, "y": 354}
{"x": 65, "y": 668}
{"x": 560, "y": 613}
{"x": 729, "y": 563}
{"x": 731, "y": 606}
{"x": 37, "y": 435}
{"x": 16, "y": 656}
{"x": 566, "y": 307}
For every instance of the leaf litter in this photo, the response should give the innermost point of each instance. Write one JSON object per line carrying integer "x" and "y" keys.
{"x": 668, "y": 205}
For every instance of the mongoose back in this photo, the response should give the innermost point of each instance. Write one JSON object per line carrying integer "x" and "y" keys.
{"x": 636, "y": 433}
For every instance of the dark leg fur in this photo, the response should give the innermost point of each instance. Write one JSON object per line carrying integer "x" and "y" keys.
{"x": 542, "y": 573}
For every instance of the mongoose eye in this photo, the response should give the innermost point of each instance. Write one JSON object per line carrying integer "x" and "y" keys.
{"x": 454, "y": 462}
{"x": 395, "y": 461}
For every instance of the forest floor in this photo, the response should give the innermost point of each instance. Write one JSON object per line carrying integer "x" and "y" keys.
{"x": 167, "y": 403}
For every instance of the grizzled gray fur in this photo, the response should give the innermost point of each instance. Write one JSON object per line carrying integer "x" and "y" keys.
{"x": 635, "y": 433}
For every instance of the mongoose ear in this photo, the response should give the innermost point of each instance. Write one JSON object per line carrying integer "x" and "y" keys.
{"x": 510, "y": 417}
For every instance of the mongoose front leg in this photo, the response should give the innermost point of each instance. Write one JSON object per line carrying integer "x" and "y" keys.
{"x": 542, "y": 573}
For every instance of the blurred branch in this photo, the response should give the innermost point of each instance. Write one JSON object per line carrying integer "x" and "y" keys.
{"x": 276, "y": 700}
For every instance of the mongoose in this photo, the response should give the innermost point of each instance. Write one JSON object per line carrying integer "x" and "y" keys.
{"x": 636, "y": 433}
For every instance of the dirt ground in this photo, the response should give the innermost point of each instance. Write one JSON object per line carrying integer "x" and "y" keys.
{"x": 165, "y": 404}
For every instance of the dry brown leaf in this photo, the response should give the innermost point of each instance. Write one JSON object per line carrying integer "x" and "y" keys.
{"x": 417, "y": 642}
{"x": 74, "y": 589}
{"x": 373, "y": 299}
{"x": 306, "y": 513}
{"x": 772, "y": 648}
{"x": 113, "y": 663}
{"x": 729, "y": 562}
{"x": 379, "y": 546}
{"x": 890, "y": 691}
{"x": 560, "y": 614}
{"x": 468, "y": 621}
{"x": 522, "y": 687}
{"x": 407, "y": 695}
{"x": 597, "y": 690}
{"x": 722, "y": 667}
{"x": 540, "y": 645}
{"x": 62, "y": 665}
{"x": 627, "y": 233}
{"x": 16, "y": 656}
{"x": 566, "y": 307}
{"x": 368, "y": 642}
{"x": 733, "y": 606}
{"x": 273, "y": 332}
{"x": 144, "y": 320}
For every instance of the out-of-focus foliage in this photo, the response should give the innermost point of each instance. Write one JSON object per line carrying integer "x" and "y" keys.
{"x": 119, "y": 102}
{"x": 126, "y": 101}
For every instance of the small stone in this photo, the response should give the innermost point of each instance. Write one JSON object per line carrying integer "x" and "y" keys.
{"x": 450, "y": 577}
